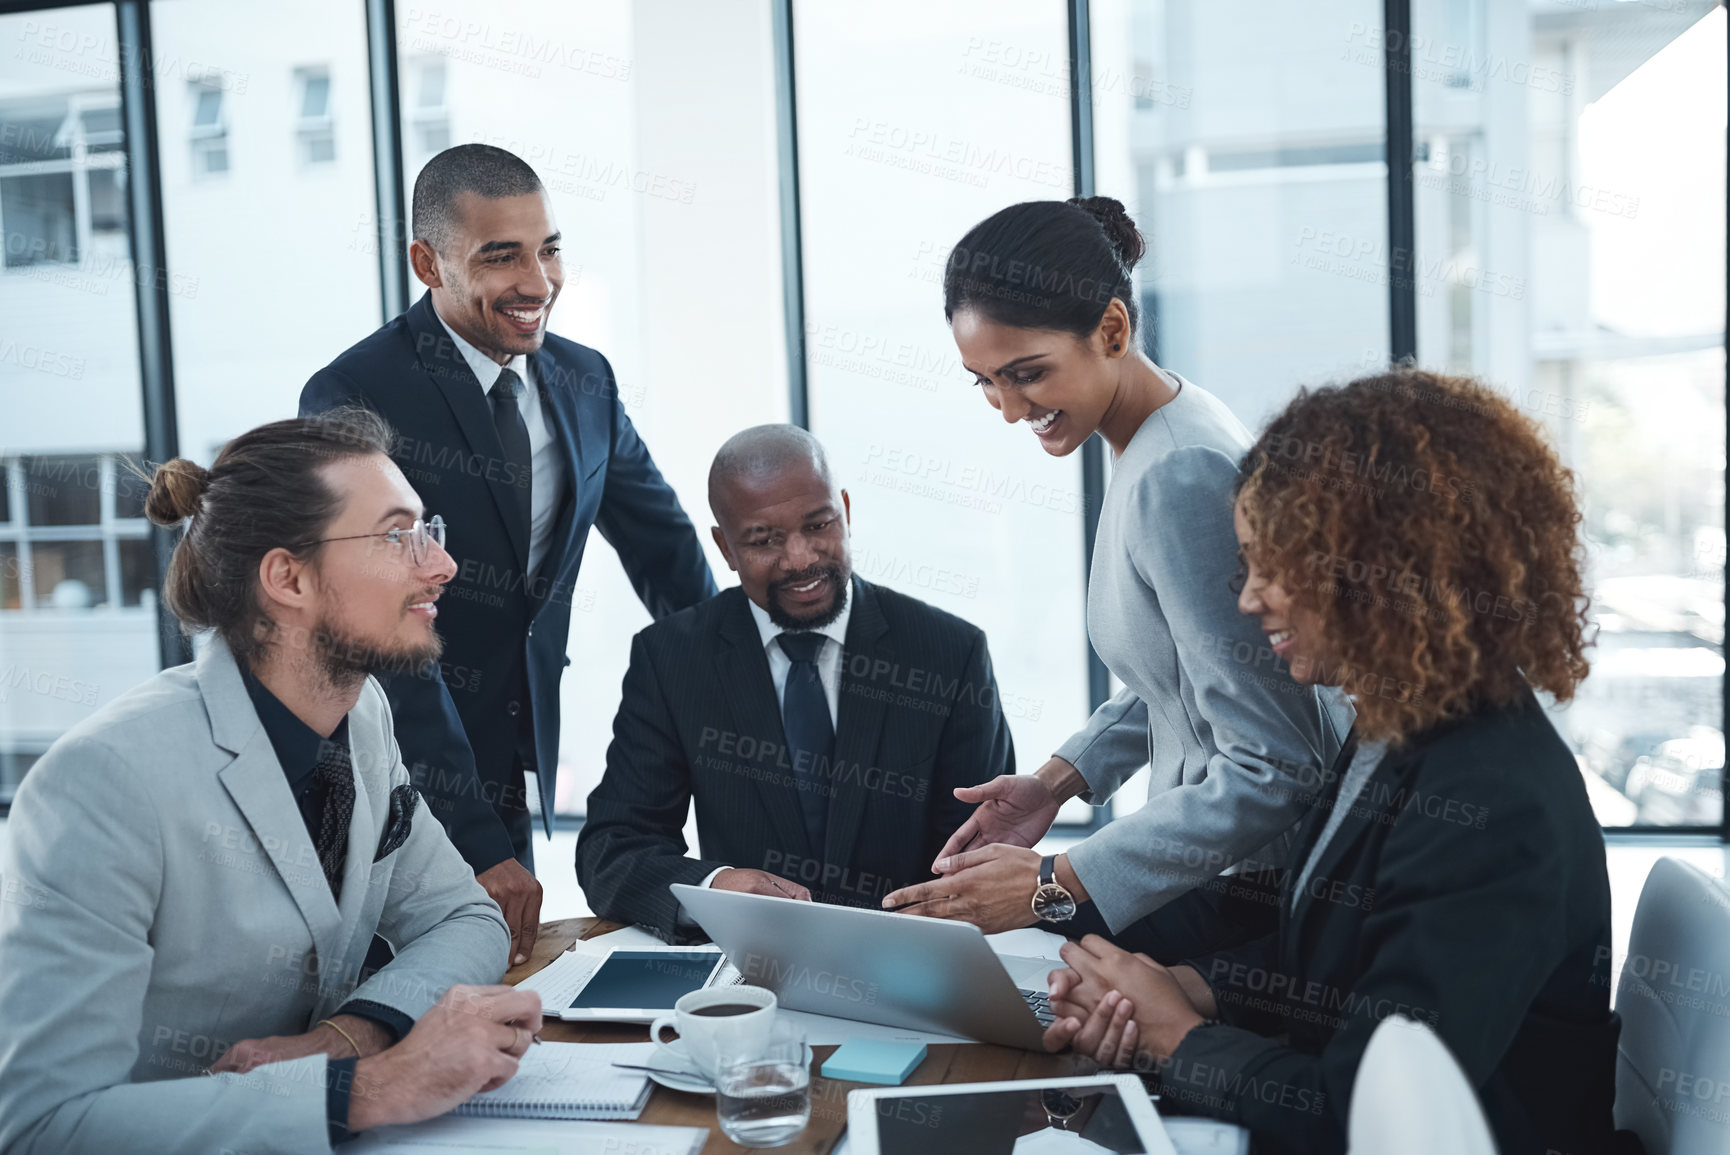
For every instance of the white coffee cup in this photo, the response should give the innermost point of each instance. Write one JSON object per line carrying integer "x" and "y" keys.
{"x": 707, "y": 1038}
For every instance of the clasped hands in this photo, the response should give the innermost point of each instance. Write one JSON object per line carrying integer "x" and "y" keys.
{"x": 1122, "y": 1009}
{"x": 1110, "y": 1004}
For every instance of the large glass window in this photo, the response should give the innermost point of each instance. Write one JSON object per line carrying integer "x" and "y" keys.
{"x": 1570, "y": 199}
{"x": 269, "y": 215}
{"x": 1569, "y": 193}
{"x": 77, "y": 609}
{"x": 1247, "y": 141}
{"x": 652, "y": 125}
{"x": 916, "y": 121}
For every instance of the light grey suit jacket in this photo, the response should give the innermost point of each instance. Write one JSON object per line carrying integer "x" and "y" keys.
{"x": 164, "y": 901}
{"x": 1236, "y": 747}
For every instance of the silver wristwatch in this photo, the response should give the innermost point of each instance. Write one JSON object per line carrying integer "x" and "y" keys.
{"x": 1050, "y": 901}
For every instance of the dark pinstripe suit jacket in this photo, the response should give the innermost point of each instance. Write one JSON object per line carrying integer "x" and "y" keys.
{"x": 919, "y": 715}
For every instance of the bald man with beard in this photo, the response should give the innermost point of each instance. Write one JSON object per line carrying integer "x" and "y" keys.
{"x": 819, "y": 722}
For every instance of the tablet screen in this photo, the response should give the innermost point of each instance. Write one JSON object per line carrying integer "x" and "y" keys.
{"x": 646, "y": 979}
{"x": 1035, "y": 1121}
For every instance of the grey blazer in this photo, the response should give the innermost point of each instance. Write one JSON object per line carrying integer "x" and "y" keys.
{"x": 1236, "y": 748}
{"x": 164, "y": 901}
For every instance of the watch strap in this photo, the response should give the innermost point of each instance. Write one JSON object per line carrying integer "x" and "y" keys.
{"x": 1048, "y": 869}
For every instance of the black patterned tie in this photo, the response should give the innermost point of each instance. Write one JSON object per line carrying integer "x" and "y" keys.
{"x": 337, "y": 775}
{"x": 514, "y": 436}
{"x": 810, "y": 731}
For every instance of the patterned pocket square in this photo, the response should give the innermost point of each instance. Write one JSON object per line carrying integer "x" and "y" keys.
{"x": 402, "y": 803}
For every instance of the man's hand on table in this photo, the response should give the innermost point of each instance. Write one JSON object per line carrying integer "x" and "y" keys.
{"x": 468, "y": 1043}
{"x": 759, "y": 882}
{"x": 518, "y": 894}
{"x": 371, "y": 1037}
{"x": 1014, "y": 809}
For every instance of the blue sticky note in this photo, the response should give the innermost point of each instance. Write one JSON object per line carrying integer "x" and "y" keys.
{"x": 873, "y": 1061}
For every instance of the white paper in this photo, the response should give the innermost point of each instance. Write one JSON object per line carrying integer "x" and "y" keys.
{"x": 828, "y": 1031}
{"x": 1206, "y": 1137}
{"x": 1029, "y": 974}
{"x": 1028, "y": 942}
{"x": 454, "y": 1135}
{"x": 631, "y": 938}
{"x": 569, "y": 1072}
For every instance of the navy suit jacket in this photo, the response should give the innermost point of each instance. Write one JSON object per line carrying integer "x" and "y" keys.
{"x": 458, "y": 721}
{"x": 919, "y": 715}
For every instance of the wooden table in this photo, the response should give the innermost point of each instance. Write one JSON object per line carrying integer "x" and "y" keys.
{"x": 945, "y": 1062}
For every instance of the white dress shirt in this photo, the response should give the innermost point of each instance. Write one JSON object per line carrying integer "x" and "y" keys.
{"x": 828, "y": 666}
{"x": 828, "y": 658}
{"x": 547, "y": 464}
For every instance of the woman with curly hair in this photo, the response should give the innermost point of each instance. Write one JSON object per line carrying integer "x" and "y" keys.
{"x": 1413, "y": 539}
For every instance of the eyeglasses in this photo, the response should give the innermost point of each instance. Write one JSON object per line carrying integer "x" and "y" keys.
{"x": 417, "y": 536}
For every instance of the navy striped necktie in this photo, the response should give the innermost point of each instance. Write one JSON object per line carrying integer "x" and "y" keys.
{"x": 810, "y": 731}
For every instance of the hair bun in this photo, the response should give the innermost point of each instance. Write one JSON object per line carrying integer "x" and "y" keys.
{"x": 176, "y": 491}
{"x": 1125, "y": 238}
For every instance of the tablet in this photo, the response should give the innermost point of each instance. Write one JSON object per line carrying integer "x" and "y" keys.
{"x": 627, "y": 985}
{"x": 1096, "y": 1113}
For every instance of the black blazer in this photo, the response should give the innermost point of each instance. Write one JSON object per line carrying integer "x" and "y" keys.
{"x": 1467, "y": 889}
{"x": 459, "y": 724}
{"x": 918, "y": 716}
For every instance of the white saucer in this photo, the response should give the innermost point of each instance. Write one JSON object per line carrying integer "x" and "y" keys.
{"x": 673, "y": 1057}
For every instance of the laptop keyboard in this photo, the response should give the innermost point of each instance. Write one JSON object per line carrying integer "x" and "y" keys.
{"x": 1040, "y": 1004}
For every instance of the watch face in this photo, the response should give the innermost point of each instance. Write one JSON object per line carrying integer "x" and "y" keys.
{"x": 1053, "y": 903}
{"x": 1059, "y": 1105}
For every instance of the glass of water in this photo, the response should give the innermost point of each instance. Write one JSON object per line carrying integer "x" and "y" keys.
{"x": 763, "y": 1098}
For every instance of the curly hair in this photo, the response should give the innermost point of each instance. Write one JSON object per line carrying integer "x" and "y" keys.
{"x": 1433, "y": 530}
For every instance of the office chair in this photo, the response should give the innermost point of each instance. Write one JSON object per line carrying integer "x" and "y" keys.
{"x": 1411, "y": 1098}
{"x": 1673, "y": 1060}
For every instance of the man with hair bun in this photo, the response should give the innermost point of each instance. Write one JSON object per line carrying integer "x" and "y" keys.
{"x": 196, "y": 871}
{"x": 519, "y": 439}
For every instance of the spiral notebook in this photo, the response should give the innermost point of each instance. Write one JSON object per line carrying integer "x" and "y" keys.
{"x": 570, "y": 1081}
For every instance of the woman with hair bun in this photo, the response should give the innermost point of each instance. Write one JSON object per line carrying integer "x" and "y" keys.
{"x": 1042, "y": 305}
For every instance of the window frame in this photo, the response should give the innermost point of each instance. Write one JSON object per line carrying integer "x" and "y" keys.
{"x": 140, "y": 156}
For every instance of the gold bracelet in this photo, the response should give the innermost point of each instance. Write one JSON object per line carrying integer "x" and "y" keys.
{"x": 346, "y": 1036}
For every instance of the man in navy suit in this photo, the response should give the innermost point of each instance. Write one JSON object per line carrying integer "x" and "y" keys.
{"x": 517, "y": 438}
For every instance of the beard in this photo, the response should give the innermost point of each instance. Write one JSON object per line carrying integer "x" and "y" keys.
{"x": 839, "y": 580}
{"x": 344, "y": 660}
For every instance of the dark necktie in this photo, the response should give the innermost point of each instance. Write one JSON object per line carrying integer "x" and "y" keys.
{"x": 810, "y": 732}
{"x": 337, "y": 776}
{"x": 514, "y": 436}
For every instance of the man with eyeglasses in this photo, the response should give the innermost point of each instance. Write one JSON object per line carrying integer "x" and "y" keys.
{"x": 194, "y": 874}
{"x": 519, "y": 438}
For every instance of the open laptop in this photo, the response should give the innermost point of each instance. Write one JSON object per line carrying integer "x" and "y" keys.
{"x": 874, "y": 966}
